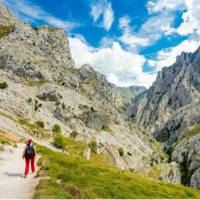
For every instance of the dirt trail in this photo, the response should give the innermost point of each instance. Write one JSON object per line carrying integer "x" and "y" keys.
{"x": 12, "y": 183}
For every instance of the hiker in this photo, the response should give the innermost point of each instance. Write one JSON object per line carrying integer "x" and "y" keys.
{"x": 29, "y": 155}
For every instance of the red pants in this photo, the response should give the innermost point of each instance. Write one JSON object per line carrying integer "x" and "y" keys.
{"x": 27, "y": 161}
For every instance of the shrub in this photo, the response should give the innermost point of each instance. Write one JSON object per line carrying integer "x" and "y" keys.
{"x": 93, "y": 146}
{"x": 40, "y": 105}
{"x": 56, "y": 128}
{"x": 5, "y": 30}
{"x": 121, "y": 151}
{"x": 63, "y": 106}
{"x": 3, "y": 85}
{"x": 37, "y": 105}
{"x": 73, "y": 134}
{"x": 40, "y": 124}
{"x": 59, "y": 141}
{"x": 29, "y": 100}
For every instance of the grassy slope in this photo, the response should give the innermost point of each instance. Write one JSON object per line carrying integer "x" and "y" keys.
{"x": 7, "y": 138}
{"x": 74, "y": 177}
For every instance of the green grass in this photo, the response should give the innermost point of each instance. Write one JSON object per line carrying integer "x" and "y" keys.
{"x": 8, "y": 116}
{"x": 74, "y": 148}
{"x": 71, "y": 176}
{"x": 35, "y": 83}
{"x": 34, "y": 129}
{"x": 107, "y": 129}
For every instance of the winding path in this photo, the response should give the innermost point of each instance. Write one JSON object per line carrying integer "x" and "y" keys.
{"x": 12, "y": 183}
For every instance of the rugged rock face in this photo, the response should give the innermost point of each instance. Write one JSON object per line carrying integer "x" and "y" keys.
{"x": 6, "y": 18}
{"x": 42, "y": 84}
{"x": 169, "y": 108}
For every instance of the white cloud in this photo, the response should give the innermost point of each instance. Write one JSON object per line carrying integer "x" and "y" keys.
{"x": 118, "y": 61}
{"x": 190, "y": 27}
{"x": 103, "y": 8}
{"x": 124, "y": 23}
{"x": 129, "y": 37}
{"x": 158, "y": 6}
{"x": 154, "y": 28}
{"x": 31, "y": 12}
{"x": 157, "y": 26}
{"x": 168, "y": 56}
{"x": 191, "y": 18}
{"x": 121, "y": 67}
{"x": 143, "y": 79}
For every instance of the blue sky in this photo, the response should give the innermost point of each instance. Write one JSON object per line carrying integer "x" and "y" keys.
{"x": 128, "y": 41}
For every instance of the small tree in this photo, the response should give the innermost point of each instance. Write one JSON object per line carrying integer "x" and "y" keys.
{"x": 73, "y": 134}
{"x": 93, "y": 146}
{"x": 56, "y": 128}
{"x": 59, "y": 141}
{"x": 40, "y": 124}
{"x": 3, "y": 85}
{"x": 121, "y": 151}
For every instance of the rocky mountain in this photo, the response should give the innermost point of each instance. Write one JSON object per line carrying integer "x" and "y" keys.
{"x": 155, "y": 132}
{"x": 41, "y": 88}
{"x": 169, "y": 110}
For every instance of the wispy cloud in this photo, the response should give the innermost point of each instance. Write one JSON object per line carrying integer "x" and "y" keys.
{"x": 158, "y": 6}
{"x": 102, "y": 9}
{"x": 129, "y": 37}
{"x": 32, "y": 12}
{"x": 153, "y": 29}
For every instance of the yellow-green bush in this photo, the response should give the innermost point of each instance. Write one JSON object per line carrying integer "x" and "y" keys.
{"x": 5, "y": 30}
{"x": 56, "y": 128}
{"x": 59, "y": 141}
{"x": 73, "y": 134}
{"x": 121, "y": 151}
{"x": 93, "y": 145}
{"x": 40, "y": 124}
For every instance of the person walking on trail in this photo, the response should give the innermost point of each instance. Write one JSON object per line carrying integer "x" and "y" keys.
{"x": 29, "y": 156}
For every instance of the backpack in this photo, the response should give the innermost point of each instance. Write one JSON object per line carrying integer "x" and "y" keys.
{"x": 29, "y": 152}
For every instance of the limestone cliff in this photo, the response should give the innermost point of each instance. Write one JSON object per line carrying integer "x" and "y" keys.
{"x": 170, "y": 111}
